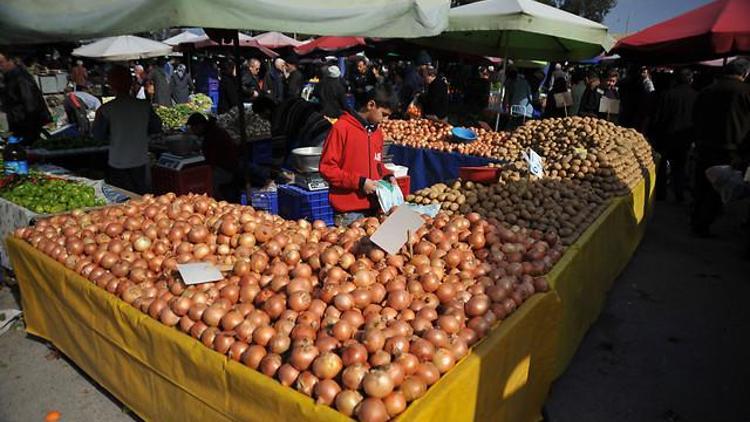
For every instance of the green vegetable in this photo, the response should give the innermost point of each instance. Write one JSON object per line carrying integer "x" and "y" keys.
{"x": 46, "y": 195}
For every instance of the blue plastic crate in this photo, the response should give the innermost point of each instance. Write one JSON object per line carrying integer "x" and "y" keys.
{"x": 261, "y": 152}
{"x": 296, "y": 203}
{"x": 264, "y": 200}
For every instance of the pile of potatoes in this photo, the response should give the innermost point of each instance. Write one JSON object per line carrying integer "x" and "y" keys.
{"x": 450, "y": 197}
{"x": 432, "y": 134}
{"x": 609, "y": 158}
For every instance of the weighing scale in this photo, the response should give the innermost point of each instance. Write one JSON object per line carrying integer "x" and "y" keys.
{"x": 178, "y": 162}
{"x": 310, "y": 181}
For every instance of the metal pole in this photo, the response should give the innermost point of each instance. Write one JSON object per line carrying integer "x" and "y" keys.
{"x": 238, "y": 78}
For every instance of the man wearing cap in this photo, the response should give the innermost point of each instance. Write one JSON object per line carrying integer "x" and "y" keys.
{"x": 722, "y": 129}
{"x": 332, "y": 93}
{"x": 414, "y": 78}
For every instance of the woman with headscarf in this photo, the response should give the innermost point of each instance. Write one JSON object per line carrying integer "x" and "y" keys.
{"x": 181, "y": 84}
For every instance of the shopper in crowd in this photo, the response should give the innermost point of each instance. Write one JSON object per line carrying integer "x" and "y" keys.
{"x": 673, "y": 134}
{"x": 332, "y": 93}
{"x": 295, "y": 80}
{"x": 435, "y": 100}
{"x": 126, "y": 123}
{"x": 552, "y": 108}
{"x": 158, "y": 77}
{"x": 181, "y": 85}
{"x": 250, "y": 82}
{"x": 591, "y": 97}
{"x": 229, "y": 96}
{"x": 206, "y": 71}
{"x": 638, "y": 99}
{"x": 352, "y": 160}
{"x": 722, "y": 130}
{"x": 168, "y": 67}
{"x": 361, "y": 80}
{"x": 22, "y": 101}
{"x": 222, "y": 154}
{"x": 79, "y": 75}
{"x": 477, "y": 94}
{"x": 274, "y": 80}
{"x": 517, "y": 91}
{"x": 611, "y": 89}
{"x": 413, "y": 83}
{"x": 139, "y": 82}
{"x": 91, "y": 101}
{"x": 578, "y": 81}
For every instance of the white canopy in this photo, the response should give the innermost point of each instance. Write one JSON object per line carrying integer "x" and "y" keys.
{"x": 39, "y": 21}
{"x": 275, "y": 39}
{"x": 187, "y": 36}
{"x": 522, "y": 29}
{"x": 124, "y": 47}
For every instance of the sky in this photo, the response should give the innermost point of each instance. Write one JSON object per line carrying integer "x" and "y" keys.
{"x": 634, "y": 15}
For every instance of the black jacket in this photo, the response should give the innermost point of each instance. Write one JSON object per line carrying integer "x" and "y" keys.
{"x": 435, "y": 100}
{"x": 332, "y": 95}
{"x": 23, "y": 102}
{"x": 250, "y": 85}
{"x": 673, "y": 122}
{"x": 722, "y": 118}
{"x": 359, "y": 84}
{"x": 294, "y": 84}
{"x": 228, "y": 95}
{"x": 590, "y": 103}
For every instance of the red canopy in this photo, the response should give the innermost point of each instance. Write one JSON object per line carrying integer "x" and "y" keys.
{"x": 329, "y": 44}
{"x": 718, "y": 29}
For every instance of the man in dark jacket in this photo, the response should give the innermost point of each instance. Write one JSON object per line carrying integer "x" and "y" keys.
{"x": 435, "y": 100}
{"x": 331, "y": 93}
{"x": 673, "y": 133}
{"x": 22, "y": 101}
{"x": 274, "y": 81}
{"x": 591, "y": 97}
{"x": 722, "y": 126}
{"x": 229, "y": 96}
{"x": 360, "y": 81}
{"x": 413, "y": 78}
{"x": 250, "y": 83}
{"x": 352, "y": 160}
{"x": 295, "y": 80}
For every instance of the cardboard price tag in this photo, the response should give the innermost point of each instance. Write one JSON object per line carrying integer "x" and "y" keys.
{"x": 564, "y": 99}
{"x": 394, "y": 232}
{"x": 536, "y": 165}
{"x": 199, "y": 272}
{"x": 609, "y": 106}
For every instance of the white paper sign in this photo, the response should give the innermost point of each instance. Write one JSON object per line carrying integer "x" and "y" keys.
{"x": 199, "y": 272}
{"x": 394, "y": 232}
{"x": 609, "y": 106}
{"x": 536, "y": 165}
{"x": 4, "y": 126}
{"x": 564, "y": 99}
{"x": 747, "y": 175}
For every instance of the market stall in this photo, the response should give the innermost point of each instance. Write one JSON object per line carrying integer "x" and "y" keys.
{"x": 427, "y": 167}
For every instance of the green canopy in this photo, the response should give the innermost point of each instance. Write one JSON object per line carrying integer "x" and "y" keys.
{"x": 40, "y": 21}
{"x": 521, "y": 29}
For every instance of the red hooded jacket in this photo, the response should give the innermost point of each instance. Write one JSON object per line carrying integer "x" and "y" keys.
{"x": 351, "y": 154}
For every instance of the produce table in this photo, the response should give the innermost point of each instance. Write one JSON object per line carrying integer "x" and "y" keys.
{"x": 427, "y": 166}
{"x": 158, "y": 371}
{"x": 41, "y": 154}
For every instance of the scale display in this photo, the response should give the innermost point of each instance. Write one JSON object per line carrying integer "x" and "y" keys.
{"x": 177, "y": 162}
{"x": 310, "y": 181}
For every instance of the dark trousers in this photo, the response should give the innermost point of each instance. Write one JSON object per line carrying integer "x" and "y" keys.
{"x": 675, "y": 153}
{"x": 707, "y": 203}
{"x": 132, "y": 179}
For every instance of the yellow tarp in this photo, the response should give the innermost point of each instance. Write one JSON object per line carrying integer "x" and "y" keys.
{"x": 161, "y": 373}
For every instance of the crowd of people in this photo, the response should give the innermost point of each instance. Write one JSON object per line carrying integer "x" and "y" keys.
{"x": 674, "y": 108}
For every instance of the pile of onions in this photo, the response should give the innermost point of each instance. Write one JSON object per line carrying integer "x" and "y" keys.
{"x": 320, "y": 309}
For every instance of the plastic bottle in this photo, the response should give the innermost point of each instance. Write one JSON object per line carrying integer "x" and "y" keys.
{"x": 15, "y": 157}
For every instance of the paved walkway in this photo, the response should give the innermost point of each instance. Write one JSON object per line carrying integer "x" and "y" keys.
{"x": 671, "y": 344}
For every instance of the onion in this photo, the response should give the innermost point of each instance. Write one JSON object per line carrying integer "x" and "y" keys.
{"x": 371, "y": 410}
{"x": 326, "y": 391}
{"x": 347, "y": 401}
{"x": 327, "y": 365}
{"x": 253, "y": 356}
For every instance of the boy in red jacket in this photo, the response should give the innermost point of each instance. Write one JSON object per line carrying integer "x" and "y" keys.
{"x": 352, "y": 160}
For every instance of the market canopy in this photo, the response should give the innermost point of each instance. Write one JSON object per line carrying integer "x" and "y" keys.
{"x": 187, "y": 36}
{"x": 718, "y": 29}
{"x": 522, "y": 29}
{"x": 275, "y": 39}
{"x": 246, "y": 41}
{"x": 40, "y": 21}
{"x": 124, "y": 47}
{"x": 329, "y": 44}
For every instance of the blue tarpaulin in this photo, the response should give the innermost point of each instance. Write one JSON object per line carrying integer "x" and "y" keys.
{"x": 427, "y": 167}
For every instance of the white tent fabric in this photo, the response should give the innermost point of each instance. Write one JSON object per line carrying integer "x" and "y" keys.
{"x": 185, "y": 37}
{"x": 39, "y": 21}
{"x": 522, "y": 29}
{"x": 124, "y": 47}
{"x": 275, "y": 39}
